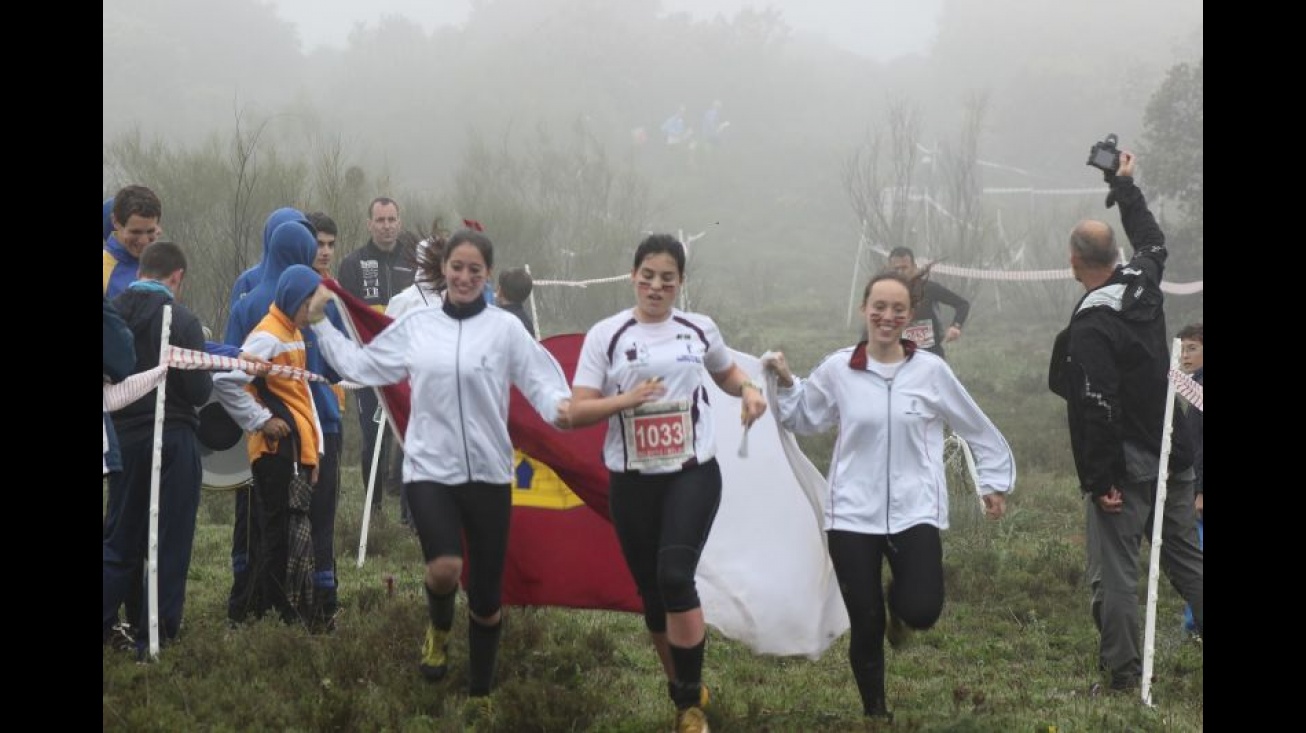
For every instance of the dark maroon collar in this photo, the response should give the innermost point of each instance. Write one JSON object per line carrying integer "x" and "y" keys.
{"x": 858, "y": 362}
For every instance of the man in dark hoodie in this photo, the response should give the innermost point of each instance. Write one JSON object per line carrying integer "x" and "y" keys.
{"x": 162, "y": 269}
{"x": 376, "y": 272}
{"x": 1111, "y": 365}
{"x": 289, "y": 243}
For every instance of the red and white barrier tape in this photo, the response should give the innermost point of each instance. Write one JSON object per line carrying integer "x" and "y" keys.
{"x": 118, "y": 396}
{"x": 190, "y": 359}
{"x": 1188, "y": 388}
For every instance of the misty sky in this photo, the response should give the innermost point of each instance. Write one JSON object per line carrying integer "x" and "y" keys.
{"x": 882, "y": 29}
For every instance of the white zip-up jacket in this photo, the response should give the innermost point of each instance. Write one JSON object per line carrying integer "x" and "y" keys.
{"x": 459, "y": 371}
{"x": 887, "y": 472}
{"x": 417, "y": 295}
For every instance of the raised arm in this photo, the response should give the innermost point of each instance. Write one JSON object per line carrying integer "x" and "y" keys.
{"x": 1142, "y": 230}
{"x": 379, "y": 363}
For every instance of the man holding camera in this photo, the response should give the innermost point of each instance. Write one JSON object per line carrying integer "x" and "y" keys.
{"x": 1111, "y": 365}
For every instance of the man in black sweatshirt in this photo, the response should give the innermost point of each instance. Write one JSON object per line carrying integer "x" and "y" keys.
{"x": 126, "y": 526}
{"x": 376, "y": 272}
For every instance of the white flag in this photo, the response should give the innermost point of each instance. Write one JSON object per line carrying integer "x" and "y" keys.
{"x": 765, "y": 578}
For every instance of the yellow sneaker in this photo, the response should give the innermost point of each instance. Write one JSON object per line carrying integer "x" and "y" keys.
{"x": 435, "y": 660}
{"x": 479, "y": 709}
{"x": 704, "y": 697}
{"x": 692, "y": 720}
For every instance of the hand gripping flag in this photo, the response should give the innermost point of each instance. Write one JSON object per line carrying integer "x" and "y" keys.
{"x": 562, "y": 550}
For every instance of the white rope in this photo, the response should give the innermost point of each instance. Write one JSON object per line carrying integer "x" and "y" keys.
{"x": 584, "y": 283}
{"x": 973, "y": 273}
{"x": 1188, "y": 288}
{"x": 1030, "y": 191}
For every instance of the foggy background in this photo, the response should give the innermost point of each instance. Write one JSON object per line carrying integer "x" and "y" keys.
{"x": 880, "y": 29}
{"x": 957, "y": 127}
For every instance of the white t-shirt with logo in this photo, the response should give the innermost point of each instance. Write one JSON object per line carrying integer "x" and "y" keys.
{"x": 620, "y": 352}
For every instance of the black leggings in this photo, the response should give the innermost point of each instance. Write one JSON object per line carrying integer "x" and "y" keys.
{"x": 915, "y": 556}
{"x": 662, "y": 523}
{"x": 441, "y": 512}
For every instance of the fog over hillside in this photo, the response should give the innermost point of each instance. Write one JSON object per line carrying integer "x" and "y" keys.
{"x": 446, "y": 110}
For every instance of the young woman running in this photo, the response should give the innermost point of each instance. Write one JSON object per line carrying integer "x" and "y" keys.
{"x": 643, "y": 371}
{"x": 460, "y": 359}
{"x": 888, "y": 495}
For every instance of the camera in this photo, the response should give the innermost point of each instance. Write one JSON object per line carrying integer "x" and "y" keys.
{"x": 1104, "y": 155}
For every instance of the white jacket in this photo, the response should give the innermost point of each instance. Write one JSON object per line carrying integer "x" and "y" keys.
{"x": 417, "y": 295}
{"x": 459, "y": 372}
{"x": 887, "y": 473}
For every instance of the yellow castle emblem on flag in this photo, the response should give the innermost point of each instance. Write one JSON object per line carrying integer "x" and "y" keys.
{"x": 536, "y": 485}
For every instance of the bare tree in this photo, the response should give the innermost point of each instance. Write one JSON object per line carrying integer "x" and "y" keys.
{"x": 959, "y": 187}
{"x": 879, "y": 175}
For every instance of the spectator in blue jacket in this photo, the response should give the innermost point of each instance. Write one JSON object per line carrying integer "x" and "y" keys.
{"x": 251, "y": 277}
{"x": 290, "y": 243}
{"x": 135, "y": 217}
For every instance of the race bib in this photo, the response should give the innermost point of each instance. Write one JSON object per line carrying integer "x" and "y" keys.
{"x": 922, "y": 332}
{"x": 658, "y": 435}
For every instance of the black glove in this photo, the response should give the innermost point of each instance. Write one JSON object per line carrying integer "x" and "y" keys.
{"x": 1110, "y": 178}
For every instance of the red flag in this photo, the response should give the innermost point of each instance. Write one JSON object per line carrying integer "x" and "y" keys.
{"x": 576, "y": 455}
{"x": 560, "y": 552}
{"x": 368, "y": 322}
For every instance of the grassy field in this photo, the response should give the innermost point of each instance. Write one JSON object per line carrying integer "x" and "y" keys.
{"x": 1014, "y": 650}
